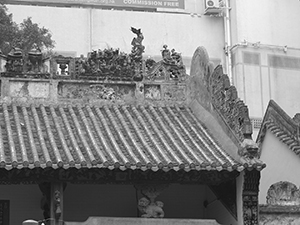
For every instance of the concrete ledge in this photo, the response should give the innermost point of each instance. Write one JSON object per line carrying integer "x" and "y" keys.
{"x": 141, "y": 221}
{"x": 279, "y": 209}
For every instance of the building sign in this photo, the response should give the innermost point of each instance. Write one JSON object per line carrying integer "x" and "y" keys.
{"x": 175, "y": 4}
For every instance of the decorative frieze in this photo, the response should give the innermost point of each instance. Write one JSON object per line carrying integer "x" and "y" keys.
{"x": 170, "y": 68}
{"x": 37, "y": 89}
{"x": 225, "y": 100}
{"x": 152, "y": 92}
{"x": 89, "y": 175}
{"x": 174, "y": 92}
{"x": 212, "y": 88}
{"x": 109, "y": 92}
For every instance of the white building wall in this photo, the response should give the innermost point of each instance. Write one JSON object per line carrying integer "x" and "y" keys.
{"x": 282, "y": 165}
{"x": 266, "y": 28}
{"x": 69, "y": 26}
{"x": 81, "y": 30}
{"x": 268, "y": 21}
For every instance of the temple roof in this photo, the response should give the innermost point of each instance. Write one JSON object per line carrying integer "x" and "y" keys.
{"x": 125, "y": 137}
{"x": 117, "y": 111}
{"x": 285, "y": 128}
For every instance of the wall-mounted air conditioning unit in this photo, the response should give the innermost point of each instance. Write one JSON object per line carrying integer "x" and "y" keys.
{"x": 212, "y": 7}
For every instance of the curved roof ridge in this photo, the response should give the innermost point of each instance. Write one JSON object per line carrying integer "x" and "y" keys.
{"x": 278, "y": 122}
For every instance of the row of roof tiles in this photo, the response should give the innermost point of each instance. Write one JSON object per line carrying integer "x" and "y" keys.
{"x": 133, "y": 137}
{"x": 283, "y": 135}
{"x": 285, "y": 128}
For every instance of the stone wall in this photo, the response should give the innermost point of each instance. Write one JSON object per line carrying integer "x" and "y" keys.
{"x": 141, "y": 221}
{"x": 278, "y": 214}
{"x": 283, "y": 205}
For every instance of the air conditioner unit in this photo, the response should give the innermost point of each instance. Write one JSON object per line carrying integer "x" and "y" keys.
{"x": 212, "y": 7}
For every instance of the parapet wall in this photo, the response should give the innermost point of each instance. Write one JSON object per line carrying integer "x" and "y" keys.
{"x": 24, "y": 90}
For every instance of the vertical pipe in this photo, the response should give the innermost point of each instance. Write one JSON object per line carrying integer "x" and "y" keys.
{"x": 90, "y": 29}
{"x": 227, "y": 39}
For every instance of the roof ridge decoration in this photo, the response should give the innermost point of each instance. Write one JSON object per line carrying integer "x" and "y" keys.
{"x": 283, "y": 193}
{"x": 25, "y": 64}
{"x": 108, "y": 64}
{"x": 222, "y": 98}
{"x": 225, "y": 99}
{"x": 285, "y": 128}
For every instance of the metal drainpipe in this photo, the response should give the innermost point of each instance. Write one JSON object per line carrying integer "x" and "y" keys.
{"x": 228, "y": 39}
{"x": 91, "y": 29}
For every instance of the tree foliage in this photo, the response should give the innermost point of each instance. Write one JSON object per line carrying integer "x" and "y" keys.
{"x": 24, "y": 35}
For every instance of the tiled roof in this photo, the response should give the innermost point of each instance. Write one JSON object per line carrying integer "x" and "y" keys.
{"x": 284, "y": 136}
{"x": 282, "y": 126}
{"x": 133, "y": 137}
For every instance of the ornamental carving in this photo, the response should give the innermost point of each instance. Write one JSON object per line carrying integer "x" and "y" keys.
{"x": 112, "y": 64}
{"x": 249, "y": 149}
{"x": 26, "y": 65}
{"x": 170, "y": 68}
{"x": 74, "y": 175}
{"x": 62, "y": 67}
{"x": 283, "y": 193}
{"x": 152, "y": 92}
{"x": 250, "y": 197}
{"x": 109, "y": 64}
{"x": 109, "y": 92}
{"x": 225, "y": 100}
{"x": 137, "y": 47}
{"x": 212, "y": 87}
{"x": 150, "y": 209}
{"x": 147, "y": 205}
{"x": 174, "y": 93}
{"x": 57, "y": 205}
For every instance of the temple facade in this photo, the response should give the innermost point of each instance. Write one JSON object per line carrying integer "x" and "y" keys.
{"x": 114, "y": 136}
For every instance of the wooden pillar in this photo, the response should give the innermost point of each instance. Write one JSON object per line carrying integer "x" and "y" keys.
{"x": 250, "y": 197}
{"x": 56, "y": 203}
